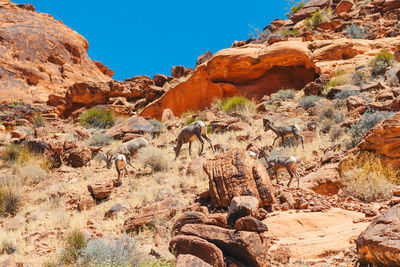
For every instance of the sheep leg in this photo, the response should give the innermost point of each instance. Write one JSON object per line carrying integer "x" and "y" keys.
{"x": 201, "y": 141}
{"x": 178, "y": 149}
{"x": 276, "y": 138}
{"x": 209, "y": 141}
{"x": 190, "y": 149}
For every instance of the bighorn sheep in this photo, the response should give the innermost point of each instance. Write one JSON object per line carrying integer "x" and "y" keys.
{"x": 285, "y": 131}
{"x": 189, "y": 133}
{"x": 279, "y": 163}
{"x": 131, "y": 147}
{"x": 121, "y": 164}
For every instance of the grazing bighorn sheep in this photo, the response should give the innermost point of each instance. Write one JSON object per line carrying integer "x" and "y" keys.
{"x": 189, "y": 133}
{"x": 131, "y": 147}
{"x": 284, "y": 131}
{"x": 279, "y": 163}
{"x": 121, "y": 164}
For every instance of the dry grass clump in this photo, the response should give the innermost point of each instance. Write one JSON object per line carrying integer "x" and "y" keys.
{"x": 155, "y": 158}
{"x": 75, "y": 242}
{"x": 367, "y": 178}
{"x": 17, "y": 155}
{"x": 238, "y": 104}
{"x": 8, "y": 247}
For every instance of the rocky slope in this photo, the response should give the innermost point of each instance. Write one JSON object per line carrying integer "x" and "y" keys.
{"x": 40, "y": 56}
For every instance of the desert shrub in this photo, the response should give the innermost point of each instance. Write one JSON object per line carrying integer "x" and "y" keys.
{"x": 336, "y": 132}
{"x": 237, "y": 104}
{"x": 308, "y": 101}
{"x": 359, "y": 77}
{"x": 294, "y": 32}
{"x": 381, "y": 62}
{"x": 30, "y": 174}
{"x": 156, "y": 263}
{"x": 326, "y": 125}
{"x": 119, "y": 252}
{"x": 11, "y": 200}
{"x": 356, "y": 32}
{"x": 284, "y": 94}
{"x": 75, "y": 243}
{"x": 99, "y": 140}
{"x": 97, "y": 118}
{"x": 344, "y": 94}
{"x": 37, "y": 120}
{"x": 271, "y": 106}
{"x": 8, "y": 247}
{"x": 189, "y": 120}
{"x": 339, "y": 116}
{"x": 12, "y": 153}
{"x": 20, "y": 155}
{"x": 154, "y": 158}
{"x": 318, "y": 16}
{"x": 366, "y": 122}
{"x": 341, "y": 77}
{"x": 258, "y": 34}
{"x": 156, "y": 123}
{"x": 366, "y": 177}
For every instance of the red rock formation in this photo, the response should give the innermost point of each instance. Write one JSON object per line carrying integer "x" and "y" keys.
{"x": 40, "y": 55}
{"x": 252, "y": 71}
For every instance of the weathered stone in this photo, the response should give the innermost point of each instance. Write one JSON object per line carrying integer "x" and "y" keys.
{"x": 198, "y": 247}
{"x": 241, "y": 207}
{"x": 379, "y": 244}
{"x": 100, "y": 190}
{"x": 187, "y": 260}
{"x": 324, "y": 181}
{"x": 86, "y": 203}
{"x": 198, "y": 218}
{"x": 235, "y": 173}
{"x": 250, "y": 223}
{"x": 113, "y": 211}
{"x": 247, "y": 247}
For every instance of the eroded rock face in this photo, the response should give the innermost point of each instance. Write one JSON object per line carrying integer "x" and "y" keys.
{"x": 251, "y": 70}
{"x": 235, "y": 173}
{"x": 309, "y": 8}
{"x": 187, "y": 260}
{"x": 40, "y": 55}
{"x": 380, "y": 243}
{"x": 324, "y": 181}
{"x": 384, "y": 139}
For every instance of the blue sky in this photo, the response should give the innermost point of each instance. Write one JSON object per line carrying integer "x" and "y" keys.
{"x": 149, "y": 37}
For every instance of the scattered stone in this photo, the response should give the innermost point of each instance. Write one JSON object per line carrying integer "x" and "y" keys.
{"x": 101, "y": 190}
{"x": 112, "y": 212}
{"x": 86, "y": 203}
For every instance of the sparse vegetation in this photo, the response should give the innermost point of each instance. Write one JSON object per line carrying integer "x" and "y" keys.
{"x": 119, "y": 252}
{"x": 294, "y": 6}
{"x": 37, "y": 120}
{"x": 318, "y": 16}
{"x": 367, "y": 178}
{"x": 156, "y": 123}
{"x": 360, "y": 76}
{"x": 293, "y": 32}
{"x": 381, "y": 63}
{"x": 344, "y": 94}
{"x": 10, "y": 200}
{"x": 236, "y": 104}
{"x": 74, "y": 245}
{"x": 356, "y": 32}
{"x": 30, "y": 174}
{"x": 99, "y": 140}
{"x": 97, "y": 118}
{"x": 284, "y": 94}
{"x": 367, "y": 121}
{"x": 336, "y": 133}
{"x": 341, "y": 77}
{"x": 154, "y": 158}
{"x": 8, "y": 247}
{"x": 309, "y": 101}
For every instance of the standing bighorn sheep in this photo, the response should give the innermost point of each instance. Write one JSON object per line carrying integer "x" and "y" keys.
{"x": 189, "y": 133}
{"x": 284, "y": 131}
{"x": 276, "y": 164}
{"x": 121, "y": 164}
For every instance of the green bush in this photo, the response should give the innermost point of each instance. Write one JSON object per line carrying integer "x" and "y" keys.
{"x": 328, "y": 112}
{"x": 236, "y": 103}
{"x": 284, "y": 94}
{"x": 294, "y": 32}
{"x": 318, "y": 16}
{"x": 295, "y": 5}
{"x": 97, "y": 118}
{"x": 356, "y": 32}
{"x": 99, "y": 140}
{"x": 381, "y": 63}
{"x": 367, "y": 121}
{"x": 156, "y": 123}
{"x": 309, "y": 101}
{"x": 189, "y": 121}
{"x": 74, "y": 245}
{"x": 37, "y": 120}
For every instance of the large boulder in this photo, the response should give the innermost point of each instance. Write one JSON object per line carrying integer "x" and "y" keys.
{"x": 384, "y": 139}
{"x": 235, "y": 173}
{"x": 198, "y": 247}
{"x": 324, "y": 181}
{"x": 198, "y": 218}
{"x": 132, "y": 125}
{"x": 251, "y": 70}
{"x": 379, "y": 244}
{"x": 101, "y": 189}
{"x": 187, "y": 260}
{"x": 246, "y": 247}
{"x": 242, "y": 206}
{"x": 40, "y": 55}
